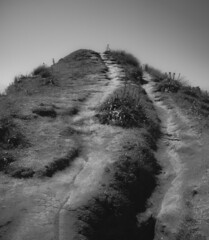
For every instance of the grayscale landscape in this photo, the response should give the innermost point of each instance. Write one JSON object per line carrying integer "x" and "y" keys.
{"x": 104, "y": 120}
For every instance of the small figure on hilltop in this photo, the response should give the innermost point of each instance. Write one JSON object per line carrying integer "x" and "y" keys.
{"x": 108, "y": 48}
{"x": 53, "y": 61}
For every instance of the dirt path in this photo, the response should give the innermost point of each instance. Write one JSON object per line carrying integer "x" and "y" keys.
{"x": 96, "y": 154}
{"x": 183, "y": 156}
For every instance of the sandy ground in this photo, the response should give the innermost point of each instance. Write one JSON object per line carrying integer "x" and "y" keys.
{"x": 181, "y": 201}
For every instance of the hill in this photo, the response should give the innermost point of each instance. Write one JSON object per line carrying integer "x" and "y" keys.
{"x": 98, "y": 147}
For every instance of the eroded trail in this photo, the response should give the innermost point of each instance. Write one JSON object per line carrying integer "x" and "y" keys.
{"x": 95, "y": 155}
{"x": 182, "y": 156}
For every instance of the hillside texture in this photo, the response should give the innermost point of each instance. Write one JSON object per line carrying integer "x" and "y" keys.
{"x": 96, "y": 147}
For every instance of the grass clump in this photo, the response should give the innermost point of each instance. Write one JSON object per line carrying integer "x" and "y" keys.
{"x": 130, "y": 107}
{"x": 45, "y": 111}
{"x": 61, "y": 163}
{"x": 43, "y": 71}
{"x": 123, "y": 109}
{"x": 169, "y": 85}
{"x": 10, "y": 135}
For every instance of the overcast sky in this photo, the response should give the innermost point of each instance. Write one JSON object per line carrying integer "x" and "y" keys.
{"x": 172, "y": 35}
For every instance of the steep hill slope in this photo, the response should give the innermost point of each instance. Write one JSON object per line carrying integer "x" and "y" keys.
{"x": 76, "y": 150}
{"x": 96, "y": 147}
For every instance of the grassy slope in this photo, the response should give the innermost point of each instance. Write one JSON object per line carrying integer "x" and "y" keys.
{"x": 192, "y": 100}
{"x": 36, "y": 111}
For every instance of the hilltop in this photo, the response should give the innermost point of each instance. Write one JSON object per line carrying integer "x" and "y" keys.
{"x": 97, "y": 146}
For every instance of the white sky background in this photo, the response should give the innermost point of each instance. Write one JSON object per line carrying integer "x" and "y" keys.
{"x": 171, "y": 35}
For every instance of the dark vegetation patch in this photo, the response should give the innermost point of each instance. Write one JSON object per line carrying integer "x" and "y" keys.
{"x": 5, "y": 160}
{"x": 20, "y": 172}
{"x": 112, "y": 214}
{"x": 45, "y": 111}
{"x": 60, "y": 163}
{"x": 11, "y": 140}
{"x": 10, "y": 134}
{"x": 122, "y": 109}
{"x": 42, "y": 71}
{"x": 128, "y": 107}
{"x": 70, "y": 111}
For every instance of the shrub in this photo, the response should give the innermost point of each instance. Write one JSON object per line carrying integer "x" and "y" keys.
{"x": 123, "y": 109}
{"x": 43, "y": 71}
{"x": 45, "y": 111}
{"x": 169, "y": 85}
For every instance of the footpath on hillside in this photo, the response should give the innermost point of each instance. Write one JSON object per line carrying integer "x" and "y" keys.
{"x": 102, "y": 156}
{"x": 182, "y": 211}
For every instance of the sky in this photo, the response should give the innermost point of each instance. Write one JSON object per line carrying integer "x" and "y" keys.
{"x": 171, "y": 35}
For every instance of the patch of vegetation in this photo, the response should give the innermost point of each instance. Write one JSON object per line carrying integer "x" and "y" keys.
{"x": 10, "y": 135}
{"x": 61, "y": 163}
{"x": 70, "y": 111}
{"x": 20, "y": 172}
{"x": 43, "y": 71}
{"x": 112, "y": 213}
{"x": 5, "y": 160}
{"x": 156, "y": 74}
{"x": 45, "y": 111}
{"x": 130, "y": 107}
{"x": 169, "y": 85}
{"x": 123, "y": 109}
{"x": 131, "y": 65}
{"x": 191, "y": 99}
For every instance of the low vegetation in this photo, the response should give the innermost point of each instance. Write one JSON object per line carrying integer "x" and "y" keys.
{"x": 45, "y": 111}
{"x": 131, "y": 65}
{"x": 42, "y": 71}
{"x": 157, "y": 75}
{"x": 10, "y": 134}
{"x": 191, "y": 99}
{"x": 113, "y": 213}
{"x": 129, "y": 106}
{"x": 61, "y": 163}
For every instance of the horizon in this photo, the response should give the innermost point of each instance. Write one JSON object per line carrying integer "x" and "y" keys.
{"x": 171, "y": 36}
